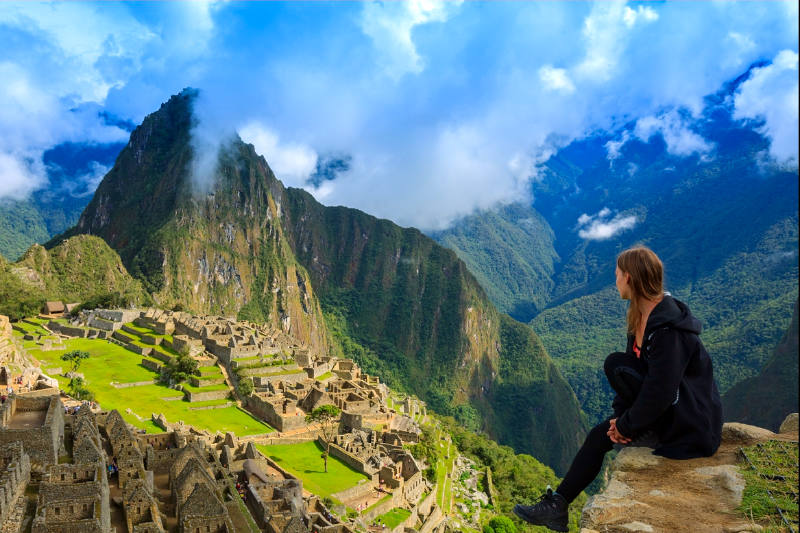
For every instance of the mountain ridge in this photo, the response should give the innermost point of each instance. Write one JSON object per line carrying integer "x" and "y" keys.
{"x": 253, "y": 248}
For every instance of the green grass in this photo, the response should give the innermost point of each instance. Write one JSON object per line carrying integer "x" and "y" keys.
{"x": 139, "y": 329}
{"x": 305, "y": 461}
{"x": 393, "y": 518}
{"x": 194, "y": 390}
{"x": 206, "y": 371}
{"x": 325, "y": 376}
{"x": 775, "y": 460}
{"x": 109, "y": 362}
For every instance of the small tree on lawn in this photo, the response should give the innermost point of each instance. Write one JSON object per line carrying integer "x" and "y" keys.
{"x": 325, "y": 416}
{"x": 75, "y": 358}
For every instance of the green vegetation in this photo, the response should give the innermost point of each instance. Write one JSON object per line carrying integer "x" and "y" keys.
{"x": 517, "y": 478}
{"x": 326, "y": 416}
{"x": 766, "y": 399}
{"x": 178, "y": 369}
{"x": 771, "y": 480}
{"x": 393, "y": 518}
{"x": 245, "y": 387}
{"x": 302, "y": 460}
{"x": 75, "y": 357}
{"x": 510, "y": 251}
{"x": 500, "y": 524}
{"x": 109, "y": 363}
{"x": 83, "y": 269}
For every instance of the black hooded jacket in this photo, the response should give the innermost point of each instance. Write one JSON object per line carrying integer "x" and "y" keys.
{"x": 679, "y": 399}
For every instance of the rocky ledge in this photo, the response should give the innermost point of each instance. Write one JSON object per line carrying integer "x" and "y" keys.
{"x": 648, "y": 493}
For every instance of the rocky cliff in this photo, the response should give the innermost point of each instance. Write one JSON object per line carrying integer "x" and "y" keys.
{"x": 648, "y": 493}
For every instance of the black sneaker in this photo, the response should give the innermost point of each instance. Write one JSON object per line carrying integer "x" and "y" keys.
{"x": 550, "y": 511}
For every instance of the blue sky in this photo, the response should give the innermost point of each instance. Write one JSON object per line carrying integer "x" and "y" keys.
{"x": 442, "y": 107}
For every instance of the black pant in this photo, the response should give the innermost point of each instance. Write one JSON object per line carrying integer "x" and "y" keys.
{"x": 625, "y": 374}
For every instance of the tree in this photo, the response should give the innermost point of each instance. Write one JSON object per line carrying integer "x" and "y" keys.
{"x": 245, "y": 387}
{"x": 75, "y": 358}
{"x": 179, "y": 369}
{"x": 500, "y": 524}
{"x": 326, "y": 416}
{"x": 78, "y": 390}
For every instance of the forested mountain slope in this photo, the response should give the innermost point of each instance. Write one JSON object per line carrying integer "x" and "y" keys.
{"x": 766, "y": 399}
{"x": 723, "y": 220}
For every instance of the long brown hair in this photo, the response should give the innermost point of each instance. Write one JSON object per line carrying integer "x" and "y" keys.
{"x": 647, "y": 280}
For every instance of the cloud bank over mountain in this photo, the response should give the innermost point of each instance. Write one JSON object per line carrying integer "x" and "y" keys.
{"x": 441, "y": 108}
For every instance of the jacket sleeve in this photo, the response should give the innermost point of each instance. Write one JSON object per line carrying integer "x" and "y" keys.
{"x": 667, "y": 362}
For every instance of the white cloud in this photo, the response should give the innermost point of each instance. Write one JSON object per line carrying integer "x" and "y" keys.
{"x": 614, "y": 148}
{"x": 675, "y": 129}
{"x": 641, "y": 13}
{"x": 771, "y": 95}
{"x": 19, "y": 175}
{"x": 556, "y": 79}
{"x": 59, "y": 64}
{"x": 390, "y": 26}
{"x": 601, "y": 226}
{"x": 741, "y": 45}
{"x": 292, "y": 163}
{"x": 606, "y": 32}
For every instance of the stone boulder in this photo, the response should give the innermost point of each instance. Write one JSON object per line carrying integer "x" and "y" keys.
{"x": 744, "y": 434}
{"x": 789, "y": 424}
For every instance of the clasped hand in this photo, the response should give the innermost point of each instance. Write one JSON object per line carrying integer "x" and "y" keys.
{"x": 614, "y": 434}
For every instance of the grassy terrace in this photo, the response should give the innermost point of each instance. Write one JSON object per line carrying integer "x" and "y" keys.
{"x": 444, "y": 466}
{"x": 191, "y": 388}
{"x": 209, "y": 371}
{"x": 147, "y": 331}
{"x": 109, "y": 363}
{"x": 304, "y": 461}
{"x": 393, "y": 518}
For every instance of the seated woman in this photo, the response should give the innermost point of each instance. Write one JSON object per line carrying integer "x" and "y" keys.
{"x": 666, "y": 395}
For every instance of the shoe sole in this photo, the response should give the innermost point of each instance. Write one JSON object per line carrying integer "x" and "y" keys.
{"x": 550, "y": 525}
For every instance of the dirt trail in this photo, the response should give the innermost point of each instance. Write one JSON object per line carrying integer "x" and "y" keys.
{"x": 654, "y": 494}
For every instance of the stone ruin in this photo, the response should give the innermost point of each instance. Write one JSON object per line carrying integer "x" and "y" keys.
{"x": 179, "y": 480}
{"x": 381, "y": 457}
{"x": 36, "y": 422}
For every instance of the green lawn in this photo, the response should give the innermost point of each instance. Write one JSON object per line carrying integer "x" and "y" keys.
{"x": 191, "y": 388}
{"x": 393, "y": 518}
{"x": 139, "y": 329}
{"x": 305, "y": 461}
{"x": 207, "y": 371}
{"x": 109, "y": 362}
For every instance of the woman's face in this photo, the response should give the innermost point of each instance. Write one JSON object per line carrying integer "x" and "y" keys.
{"x": 622, "y": 284}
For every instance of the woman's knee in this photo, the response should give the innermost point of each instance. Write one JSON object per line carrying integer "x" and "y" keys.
{"x": 599, "y": 433}
{"x": 613, "y": 361}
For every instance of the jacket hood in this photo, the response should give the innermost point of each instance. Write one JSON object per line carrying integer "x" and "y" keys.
{"x": 673, "y": 313}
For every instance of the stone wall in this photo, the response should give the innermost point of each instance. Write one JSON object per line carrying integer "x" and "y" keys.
{"x": 348, "y": 458}
{"x": 208, "y": 395}
{"x": 14, "y": 477}
{"x": 360, "y": 490}
{"x": 151, "y": 365}
{"x": 199, "y": 381}
{"x": 266, "y": 411}
{"x": 384, "y": 507}
{"x": 43, "y": 443}
{"x": 118, "y": 315}
{"x": 69, "y": 331}
{"x": 141, "y": 350}
{"x": 264, "y": 381}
